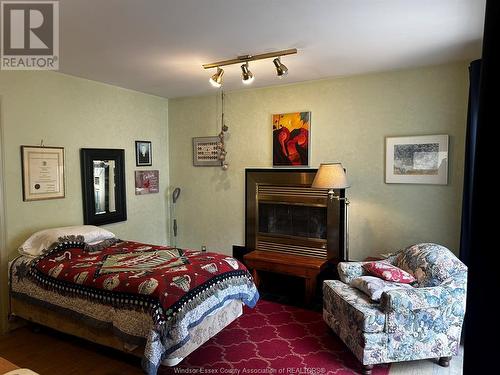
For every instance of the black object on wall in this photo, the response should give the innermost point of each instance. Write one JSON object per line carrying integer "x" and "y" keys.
{"x": 110, "y": 212}
{"x": 479, "y": 232}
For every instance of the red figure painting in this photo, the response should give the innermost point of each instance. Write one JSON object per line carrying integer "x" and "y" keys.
{"x": 291, "y": 139}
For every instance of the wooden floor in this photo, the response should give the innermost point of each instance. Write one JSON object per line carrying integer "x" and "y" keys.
{"x": 51, "y": 353}
{"x": 429, "y": 367}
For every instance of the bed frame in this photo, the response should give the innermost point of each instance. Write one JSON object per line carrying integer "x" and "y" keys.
{"x": 73, "y": 326}
{"x": 63, "y": 323}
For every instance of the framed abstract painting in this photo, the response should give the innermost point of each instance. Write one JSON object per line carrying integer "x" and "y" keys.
{"x": 291, "y": 139}
{"x": 417, "y": 160}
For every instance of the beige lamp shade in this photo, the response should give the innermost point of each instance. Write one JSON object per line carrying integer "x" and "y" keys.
{"x": 330, "y": 176}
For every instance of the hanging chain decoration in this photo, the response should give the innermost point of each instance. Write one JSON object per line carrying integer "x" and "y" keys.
{"x": 221, "y": 145}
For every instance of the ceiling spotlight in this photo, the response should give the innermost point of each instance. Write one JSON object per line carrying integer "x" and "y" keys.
{"x": 281, "y": 68}
{"x": 216, "y": 79}
{"x": 246, "y": 74}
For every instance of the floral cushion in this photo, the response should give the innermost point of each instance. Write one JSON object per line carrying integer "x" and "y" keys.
{"x": 373, "y": 286}
{"x": 388, "y": 272}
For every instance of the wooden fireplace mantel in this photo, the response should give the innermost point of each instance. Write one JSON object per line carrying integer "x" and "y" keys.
{"x": 305, "y": 267}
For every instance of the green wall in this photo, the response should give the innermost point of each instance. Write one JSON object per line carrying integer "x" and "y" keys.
{"x": 75, "y": 113}
{"x": 350, "y": 119}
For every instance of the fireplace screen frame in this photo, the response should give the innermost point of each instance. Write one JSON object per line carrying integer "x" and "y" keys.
{"x": 271, "y": 185}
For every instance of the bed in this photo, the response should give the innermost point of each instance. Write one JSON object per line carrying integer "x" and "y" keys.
{"x": 157, "y": 302}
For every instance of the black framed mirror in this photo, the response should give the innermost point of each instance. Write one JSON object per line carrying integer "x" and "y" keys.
{"x": 103, "y": 185}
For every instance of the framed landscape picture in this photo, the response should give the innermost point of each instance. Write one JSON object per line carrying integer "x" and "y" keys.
{"x": 291, "y": 139}
{"x": 417, "y": 159}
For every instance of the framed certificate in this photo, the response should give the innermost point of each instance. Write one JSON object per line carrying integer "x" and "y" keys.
{"x": 43, "y": 172}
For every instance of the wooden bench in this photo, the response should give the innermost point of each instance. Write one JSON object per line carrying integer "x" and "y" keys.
{"x": 305, "y": 267}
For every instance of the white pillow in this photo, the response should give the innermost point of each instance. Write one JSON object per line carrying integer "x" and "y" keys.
{"x": 40, "y": 242}
{"x": 375, "y": 286}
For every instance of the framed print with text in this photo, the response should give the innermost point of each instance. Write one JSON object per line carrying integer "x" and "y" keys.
{"x": 146, "y": 182}
{"x": 43, "y": 172}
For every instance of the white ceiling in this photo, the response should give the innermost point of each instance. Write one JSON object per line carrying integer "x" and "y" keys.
{"x": 158, "y": 46}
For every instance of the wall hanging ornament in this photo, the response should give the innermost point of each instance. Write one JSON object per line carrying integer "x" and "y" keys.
{"x": 211, "y": 151}
{"x": 221, "y": 146}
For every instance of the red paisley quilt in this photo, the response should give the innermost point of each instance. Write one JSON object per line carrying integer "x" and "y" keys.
{"x": 137, "y": 275}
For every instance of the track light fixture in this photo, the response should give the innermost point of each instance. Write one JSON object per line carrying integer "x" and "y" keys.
{"x": 216, "y": 79}
{"x": 281, "y": 69}
{"x": 247, "y": 75}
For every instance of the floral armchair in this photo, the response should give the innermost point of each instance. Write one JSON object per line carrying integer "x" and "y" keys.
{"x": 407, "y": 324}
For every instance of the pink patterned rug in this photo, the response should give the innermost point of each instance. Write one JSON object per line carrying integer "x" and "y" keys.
{"x": 273, "y": 339}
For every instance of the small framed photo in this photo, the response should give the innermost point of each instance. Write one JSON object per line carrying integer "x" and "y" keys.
{"x": 43, "y": 172}
{"x": 146, "y": 182}
{"x": 206, "y": 151}
{"x": 417, "y": 160}
{"x": 143, "y": 154}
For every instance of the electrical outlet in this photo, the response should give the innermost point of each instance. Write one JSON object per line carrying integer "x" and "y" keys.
{"x": 203, "y": 248}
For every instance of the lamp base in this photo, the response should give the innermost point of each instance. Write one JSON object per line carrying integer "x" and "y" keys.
{"x": 332, "y": 195}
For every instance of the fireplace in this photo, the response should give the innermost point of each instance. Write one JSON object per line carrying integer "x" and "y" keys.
{"x": 285, "y": 215}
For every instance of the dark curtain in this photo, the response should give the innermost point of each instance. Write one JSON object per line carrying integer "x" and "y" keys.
{"x": 479, "y": 242}
{"x": 470, "y": 155}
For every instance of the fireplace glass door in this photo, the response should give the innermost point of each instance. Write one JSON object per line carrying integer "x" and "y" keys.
{"x": 292, "y": 220}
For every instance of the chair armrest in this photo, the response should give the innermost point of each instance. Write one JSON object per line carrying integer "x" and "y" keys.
{"x": 350, "y": 270}
{"x": 401, "y": 300}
